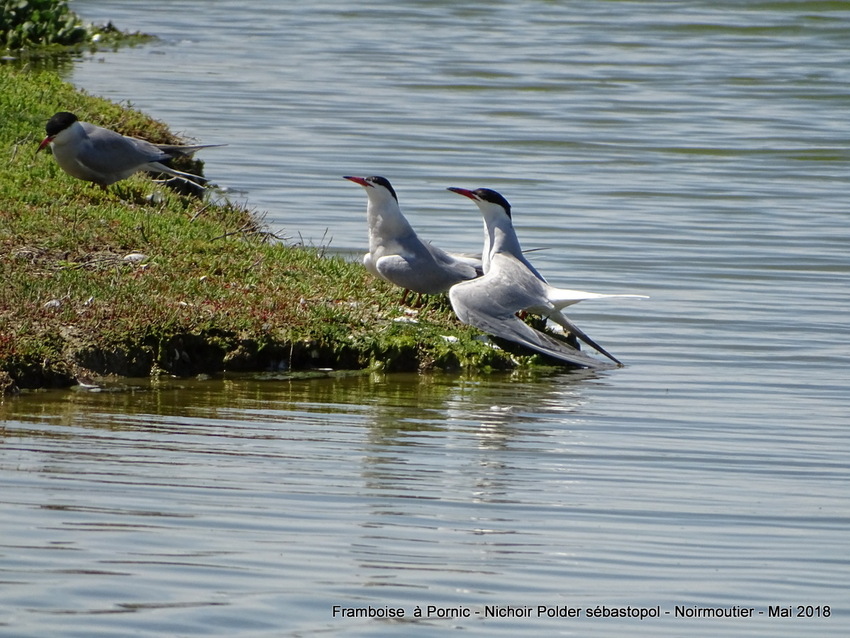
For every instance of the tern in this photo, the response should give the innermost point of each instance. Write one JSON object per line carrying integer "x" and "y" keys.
{"x": 102, "y": 156}
{"x": 397, "y": 254}
{"x": 511, "y": 284}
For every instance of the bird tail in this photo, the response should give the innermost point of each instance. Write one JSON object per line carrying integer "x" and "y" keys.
{"x": 178, "y": 150}
{"x": 162, "y": 168}
{"x": 563, "y": 297}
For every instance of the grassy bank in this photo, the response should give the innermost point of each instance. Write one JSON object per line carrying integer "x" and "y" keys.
{"x": 213, "y": 291}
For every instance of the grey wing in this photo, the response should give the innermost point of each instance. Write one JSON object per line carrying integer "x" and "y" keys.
{"x": 561, "y": 319}
{"x": 476, "y": 305}
{"x": 395, "y": 269}
{"x": 423, "y": 268}
{"x": 108, "y": 152}
{"x": 460, "y": 267}
{"x": 473, "y": 259}
{"x": 413, "y": 272}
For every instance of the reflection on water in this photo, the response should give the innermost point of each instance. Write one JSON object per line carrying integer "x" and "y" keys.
{"x": 392, "y": 401}
{"x": 252, "y": 506}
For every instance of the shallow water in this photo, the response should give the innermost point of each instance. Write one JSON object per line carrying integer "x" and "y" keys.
{"x": 695, "y": 152}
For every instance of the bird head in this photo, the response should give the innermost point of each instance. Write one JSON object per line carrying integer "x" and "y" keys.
{"x": 55, "y": 125}
{"x": 376, "y": 186}
{"x": 489, "y": 201}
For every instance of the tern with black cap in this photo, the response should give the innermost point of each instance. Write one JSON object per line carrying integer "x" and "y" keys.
{"x": 397, "y": 254}
{"x": 96, "y": 154}
{"x": 512, "y": 284}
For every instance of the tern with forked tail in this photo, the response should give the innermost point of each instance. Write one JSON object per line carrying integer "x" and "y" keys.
{"x": 96, "y": 154}
{"x": 511, "y": 284}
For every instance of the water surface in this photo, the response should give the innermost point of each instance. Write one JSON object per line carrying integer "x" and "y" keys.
{"x": 251, "y": 508}
{"x": 695, "y": 152}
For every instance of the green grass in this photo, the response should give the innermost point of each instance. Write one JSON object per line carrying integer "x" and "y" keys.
{"x": 215, "y": 292}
